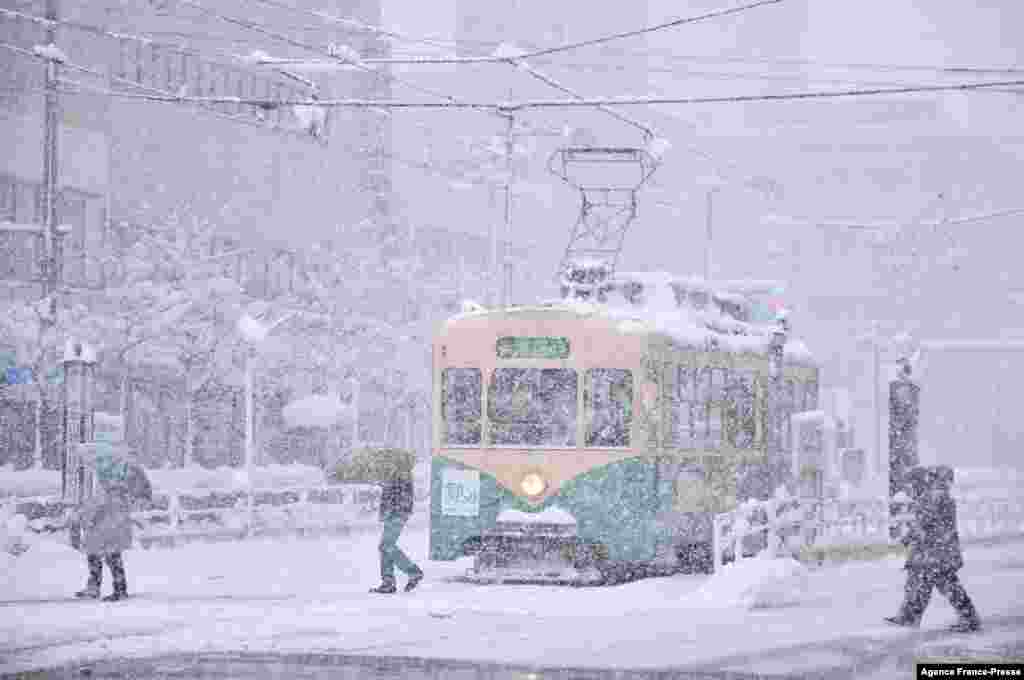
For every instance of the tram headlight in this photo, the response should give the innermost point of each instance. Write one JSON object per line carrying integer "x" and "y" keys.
{"x": 533, "y": 484}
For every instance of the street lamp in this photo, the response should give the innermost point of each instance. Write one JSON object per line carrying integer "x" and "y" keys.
{"x": 254, "y": 331}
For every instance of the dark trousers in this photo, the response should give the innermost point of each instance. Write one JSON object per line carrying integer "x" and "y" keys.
{"x": 391, "y": 555}
{"x": 116, "y": 566}
{"x": 918, "y": 593}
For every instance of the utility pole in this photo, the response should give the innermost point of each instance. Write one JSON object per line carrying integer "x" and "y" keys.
{"x": 48, "y": 213}
{"x": 492, "y": 276}
{"x": 506, "y": 296}
{"x": 709, "y": 233}
{"x": 881, "y": 459}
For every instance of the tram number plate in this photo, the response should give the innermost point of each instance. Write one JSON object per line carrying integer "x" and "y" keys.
{"x": 460, "y": 493}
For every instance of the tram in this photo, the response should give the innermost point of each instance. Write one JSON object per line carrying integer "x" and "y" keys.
{"x": 592, "y": 441}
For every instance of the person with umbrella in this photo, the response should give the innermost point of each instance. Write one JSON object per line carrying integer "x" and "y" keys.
{"x": 392, "y": 469}
{"x": 101, "y": 525}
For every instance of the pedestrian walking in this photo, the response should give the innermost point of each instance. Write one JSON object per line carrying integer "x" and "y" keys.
{"x": 934, "y": 556}
{"x": 101, "y": 525}
{"x": 396, "y": 505}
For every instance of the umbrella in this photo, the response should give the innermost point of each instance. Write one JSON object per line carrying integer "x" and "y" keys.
{"x": 116, "y": 465}
{"x": 316, "y": 410}
{"x": 374, "y": 465}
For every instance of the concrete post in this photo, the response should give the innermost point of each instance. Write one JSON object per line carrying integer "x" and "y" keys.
{"x": 79, "y": 373}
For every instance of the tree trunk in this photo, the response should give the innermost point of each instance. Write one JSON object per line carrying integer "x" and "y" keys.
{"x": 37, "y": 456}
{"x": 187, "y": 460}
{"x": 127, "y": 410}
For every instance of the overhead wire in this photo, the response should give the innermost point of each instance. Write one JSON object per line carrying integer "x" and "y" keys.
{"x": 738, "y": 75}
{"x": 538, "y": 104}
{"x": 360, "y": 25}
{"x": 205, "y": 108}
{"x": 804, "y": 62}
{"x": 647, "y": 130}
{"x": 142, "y": 40}
{"x": 315, "y": 49}
{"x": 566, "y": 47}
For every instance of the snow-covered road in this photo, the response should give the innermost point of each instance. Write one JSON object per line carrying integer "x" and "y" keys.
{"x": 304, "y": 596}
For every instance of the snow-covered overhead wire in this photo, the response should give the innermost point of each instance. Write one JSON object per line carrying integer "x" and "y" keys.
{"x": 567, "y": 47}
{"x": 343, "y": 61}
{"x": 141, "y": 40}
{"x": 801, "y": 62}
{"x": 871, "y": 226}
{"x": 361, "y": 25}
{"x": 206, "y": 108}
{"x": 591, "y": 102}
{"x": 647, "y": 130}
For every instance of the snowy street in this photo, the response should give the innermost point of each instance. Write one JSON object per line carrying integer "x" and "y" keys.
{"x": 307, "y": 601}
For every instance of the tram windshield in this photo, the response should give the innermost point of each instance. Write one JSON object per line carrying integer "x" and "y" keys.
{"x": 532, "y": 407}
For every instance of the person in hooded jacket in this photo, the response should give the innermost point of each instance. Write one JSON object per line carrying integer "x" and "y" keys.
{"x": 102, "y": 525}
{"x": 934, "y": 556}
{"x": 396, "y": 505}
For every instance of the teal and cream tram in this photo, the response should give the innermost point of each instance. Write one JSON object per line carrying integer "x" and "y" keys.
{"x": 593, "y": 442}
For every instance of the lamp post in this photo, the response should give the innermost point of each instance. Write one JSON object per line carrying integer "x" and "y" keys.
{"x": 709, "y": 233}
{"x": 79, "y": 372}
{"x": 255, "y": 332}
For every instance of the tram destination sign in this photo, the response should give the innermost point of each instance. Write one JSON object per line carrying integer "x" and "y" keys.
{"x": 523, "y": 347}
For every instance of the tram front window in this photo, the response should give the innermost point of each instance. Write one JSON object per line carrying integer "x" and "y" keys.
{"x": 532, "y": 407}
{"x": 461, "y": 400}
{"x": 609, "y": 407}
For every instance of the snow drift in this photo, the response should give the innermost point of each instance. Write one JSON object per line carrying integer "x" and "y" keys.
{"x": 756, "y": 583}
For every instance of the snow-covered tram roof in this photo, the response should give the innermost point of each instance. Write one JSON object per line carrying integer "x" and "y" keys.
{"x": 658, "y": 302}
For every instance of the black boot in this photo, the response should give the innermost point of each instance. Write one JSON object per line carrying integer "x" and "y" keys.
{"x": 116, "y": 565}
{"x": 90, "y": 592}
{"x": 901, "y": 621}
{"x": 385, "y": 588}
{"x": 414, "y": 581}
{"x": 92, "y": 587}
{"x": 967, "y": 624}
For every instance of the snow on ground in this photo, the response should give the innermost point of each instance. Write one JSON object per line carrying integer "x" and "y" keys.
{"x": 306, "y": 595}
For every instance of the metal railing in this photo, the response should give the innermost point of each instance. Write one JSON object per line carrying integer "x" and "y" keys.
{"x": 786, "y": 524}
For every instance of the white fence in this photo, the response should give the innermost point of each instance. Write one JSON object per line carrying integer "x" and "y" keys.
{"x": 787, "y": 524}
{"x": 207, "y": 514}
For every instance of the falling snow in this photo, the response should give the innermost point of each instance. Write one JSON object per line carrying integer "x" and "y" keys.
{"x": 660, "y": 337}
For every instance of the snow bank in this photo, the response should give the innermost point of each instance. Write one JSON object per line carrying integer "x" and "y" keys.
{"x": 263, "y": 477}
{"x": 46, "y": 483}
{"x": 316, "y": 410}
{"x": 756, "y": 583}
{"x": 551, "y": 515}
{"x": 28, "y": 482}
{"x": 809, "y": 417}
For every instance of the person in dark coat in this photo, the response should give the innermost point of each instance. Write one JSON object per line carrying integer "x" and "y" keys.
{"x": 396, "y": 505}
{"x": 102, "y": 525}
{"x": 934, "y": 556}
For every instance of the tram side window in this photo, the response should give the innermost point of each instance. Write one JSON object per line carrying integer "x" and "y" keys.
{"x": 532, "y": 407}
{"x": 740, "y": 404}
{"x": 684, "y": 407}
{"x": 710, "y": 400}
{"x": 811, "y": 396}
{"x": 461, "y": 401}
{"x": 789, "y": 406}
{"x": 609, "y": 406}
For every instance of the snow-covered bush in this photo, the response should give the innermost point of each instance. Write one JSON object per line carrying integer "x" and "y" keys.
{"x": 14, "y": 538}
{"x": 756, "y": 583}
